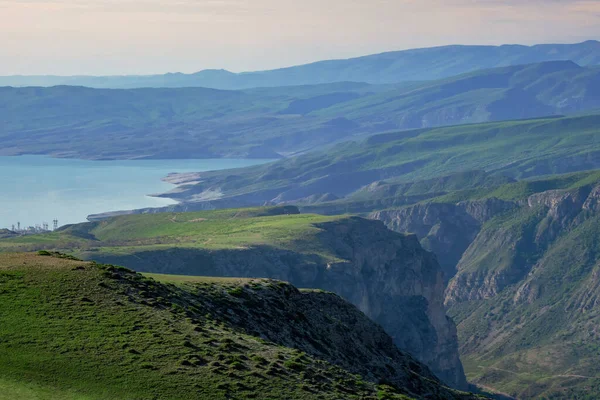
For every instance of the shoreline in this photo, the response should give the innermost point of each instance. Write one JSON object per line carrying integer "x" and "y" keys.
{"x": 45, "y": 188}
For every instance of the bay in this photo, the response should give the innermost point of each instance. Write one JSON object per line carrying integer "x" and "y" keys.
{"x": 38, "y": 189}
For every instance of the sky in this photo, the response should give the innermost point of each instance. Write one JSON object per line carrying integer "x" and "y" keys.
{"x": 113, "y": 37}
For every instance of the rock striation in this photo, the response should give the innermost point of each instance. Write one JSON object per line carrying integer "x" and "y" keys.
{"x": 505, "y": 252}
{"x": 526, "y": 289}
{"x": 443, "y": 228}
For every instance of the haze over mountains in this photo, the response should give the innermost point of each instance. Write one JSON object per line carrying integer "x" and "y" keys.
{"x": 163, "y": 123}
{"x": 392, "y": 67}
{"x": 459, "y": 179}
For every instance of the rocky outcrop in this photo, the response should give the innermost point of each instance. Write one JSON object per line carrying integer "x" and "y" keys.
{"x": 481, "y": 259}
{"x": 443, "y": 228}
{"x": 505, "y": 253}
{"x": 526, "y": 297}
{"x": 387, "y": 275}
{"x": 326, "y": 326}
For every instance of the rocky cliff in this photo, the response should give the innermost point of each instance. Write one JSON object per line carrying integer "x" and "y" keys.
{"x": 507, "y": 249}
{"x": 526, "y": 295}
{"x": 69, "y": 324}
{"x": 387, "y": 275}
{"x": 525, "y": 286}
{"x": 445, "y": 229}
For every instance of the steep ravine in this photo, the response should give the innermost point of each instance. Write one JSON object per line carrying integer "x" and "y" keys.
{"x": 486, "y": 245}
{"x": 508, "y": 248}
{"x": 443, "y": 228}
{"x": 387, "y": 275}
{"x": 525, "y": 291}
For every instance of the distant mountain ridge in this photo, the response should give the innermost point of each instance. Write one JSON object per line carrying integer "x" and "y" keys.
{"x": 390, "y": 67}
{"x": 164, "y": 123}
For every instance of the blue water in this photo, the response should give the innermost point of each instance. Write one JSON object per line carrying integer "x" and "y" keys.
{"x": 37, "y": 189}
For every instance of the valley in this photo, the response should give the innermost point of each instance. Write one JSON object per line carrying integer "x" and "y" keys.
{"x": 522, "y": 261}
{"x": 419, "y": 224}
{"x": 521, "y": 330}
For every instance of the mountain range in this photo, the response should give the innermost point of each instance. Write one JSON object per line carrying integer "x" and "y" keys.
{"x": 90, "y": 123}
{"x": 392, "y": 67}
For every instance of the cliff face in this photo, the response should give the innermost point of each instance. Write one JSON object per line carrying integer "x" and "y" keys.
{"x": 396, "y": 283}
{"x": 486, "y": 245}
{"x": 444, "y": 229}
{"x": 202, "y": 338}
{"x": 526, "y": 296}
{"x": 526, "y": 286}
{"x": 387, "y": 275}
{"x": 328, "y": 327}
{"x": 507, "y": 250}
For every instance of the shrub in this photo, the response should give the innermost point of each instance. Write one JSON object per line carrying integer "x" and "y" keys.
{"x": 293, "y": 365}
{"x": 236, "y": 291}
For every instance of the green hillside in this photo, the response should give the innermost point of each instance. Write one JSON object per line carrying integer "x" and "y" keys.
{"x": 80, "y": 122}
{"x": 405, "y": 167}
{"x": 79, "y": 330}
{"x": 387, "y": 275}
{"x": 278, "y": 227}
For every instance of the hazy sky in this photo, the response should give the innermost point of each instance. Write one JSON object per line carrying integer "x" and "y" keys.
{"x": 153, "y": 36}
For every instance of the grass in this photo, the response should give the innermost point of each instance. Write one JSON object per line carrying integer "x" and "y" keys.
{"x": 178, "y": 279}
{"x": 17, "y": 389}
{"x": 233, "y": 229}
{"x": 77, "y": 330}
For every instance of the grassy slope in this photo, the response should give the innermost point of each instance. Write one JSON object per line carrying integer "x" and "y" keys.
{"x": 75, "y": 330}
{"x": 521, "y": 190}
{"x": 520, "y": 149}
{"x": 200, "y": 123}
{"x": 209, "y": 230}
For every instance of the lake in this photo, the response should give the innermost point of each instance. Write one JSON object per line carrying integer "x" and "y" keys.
{"x": 38, "y": 189}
